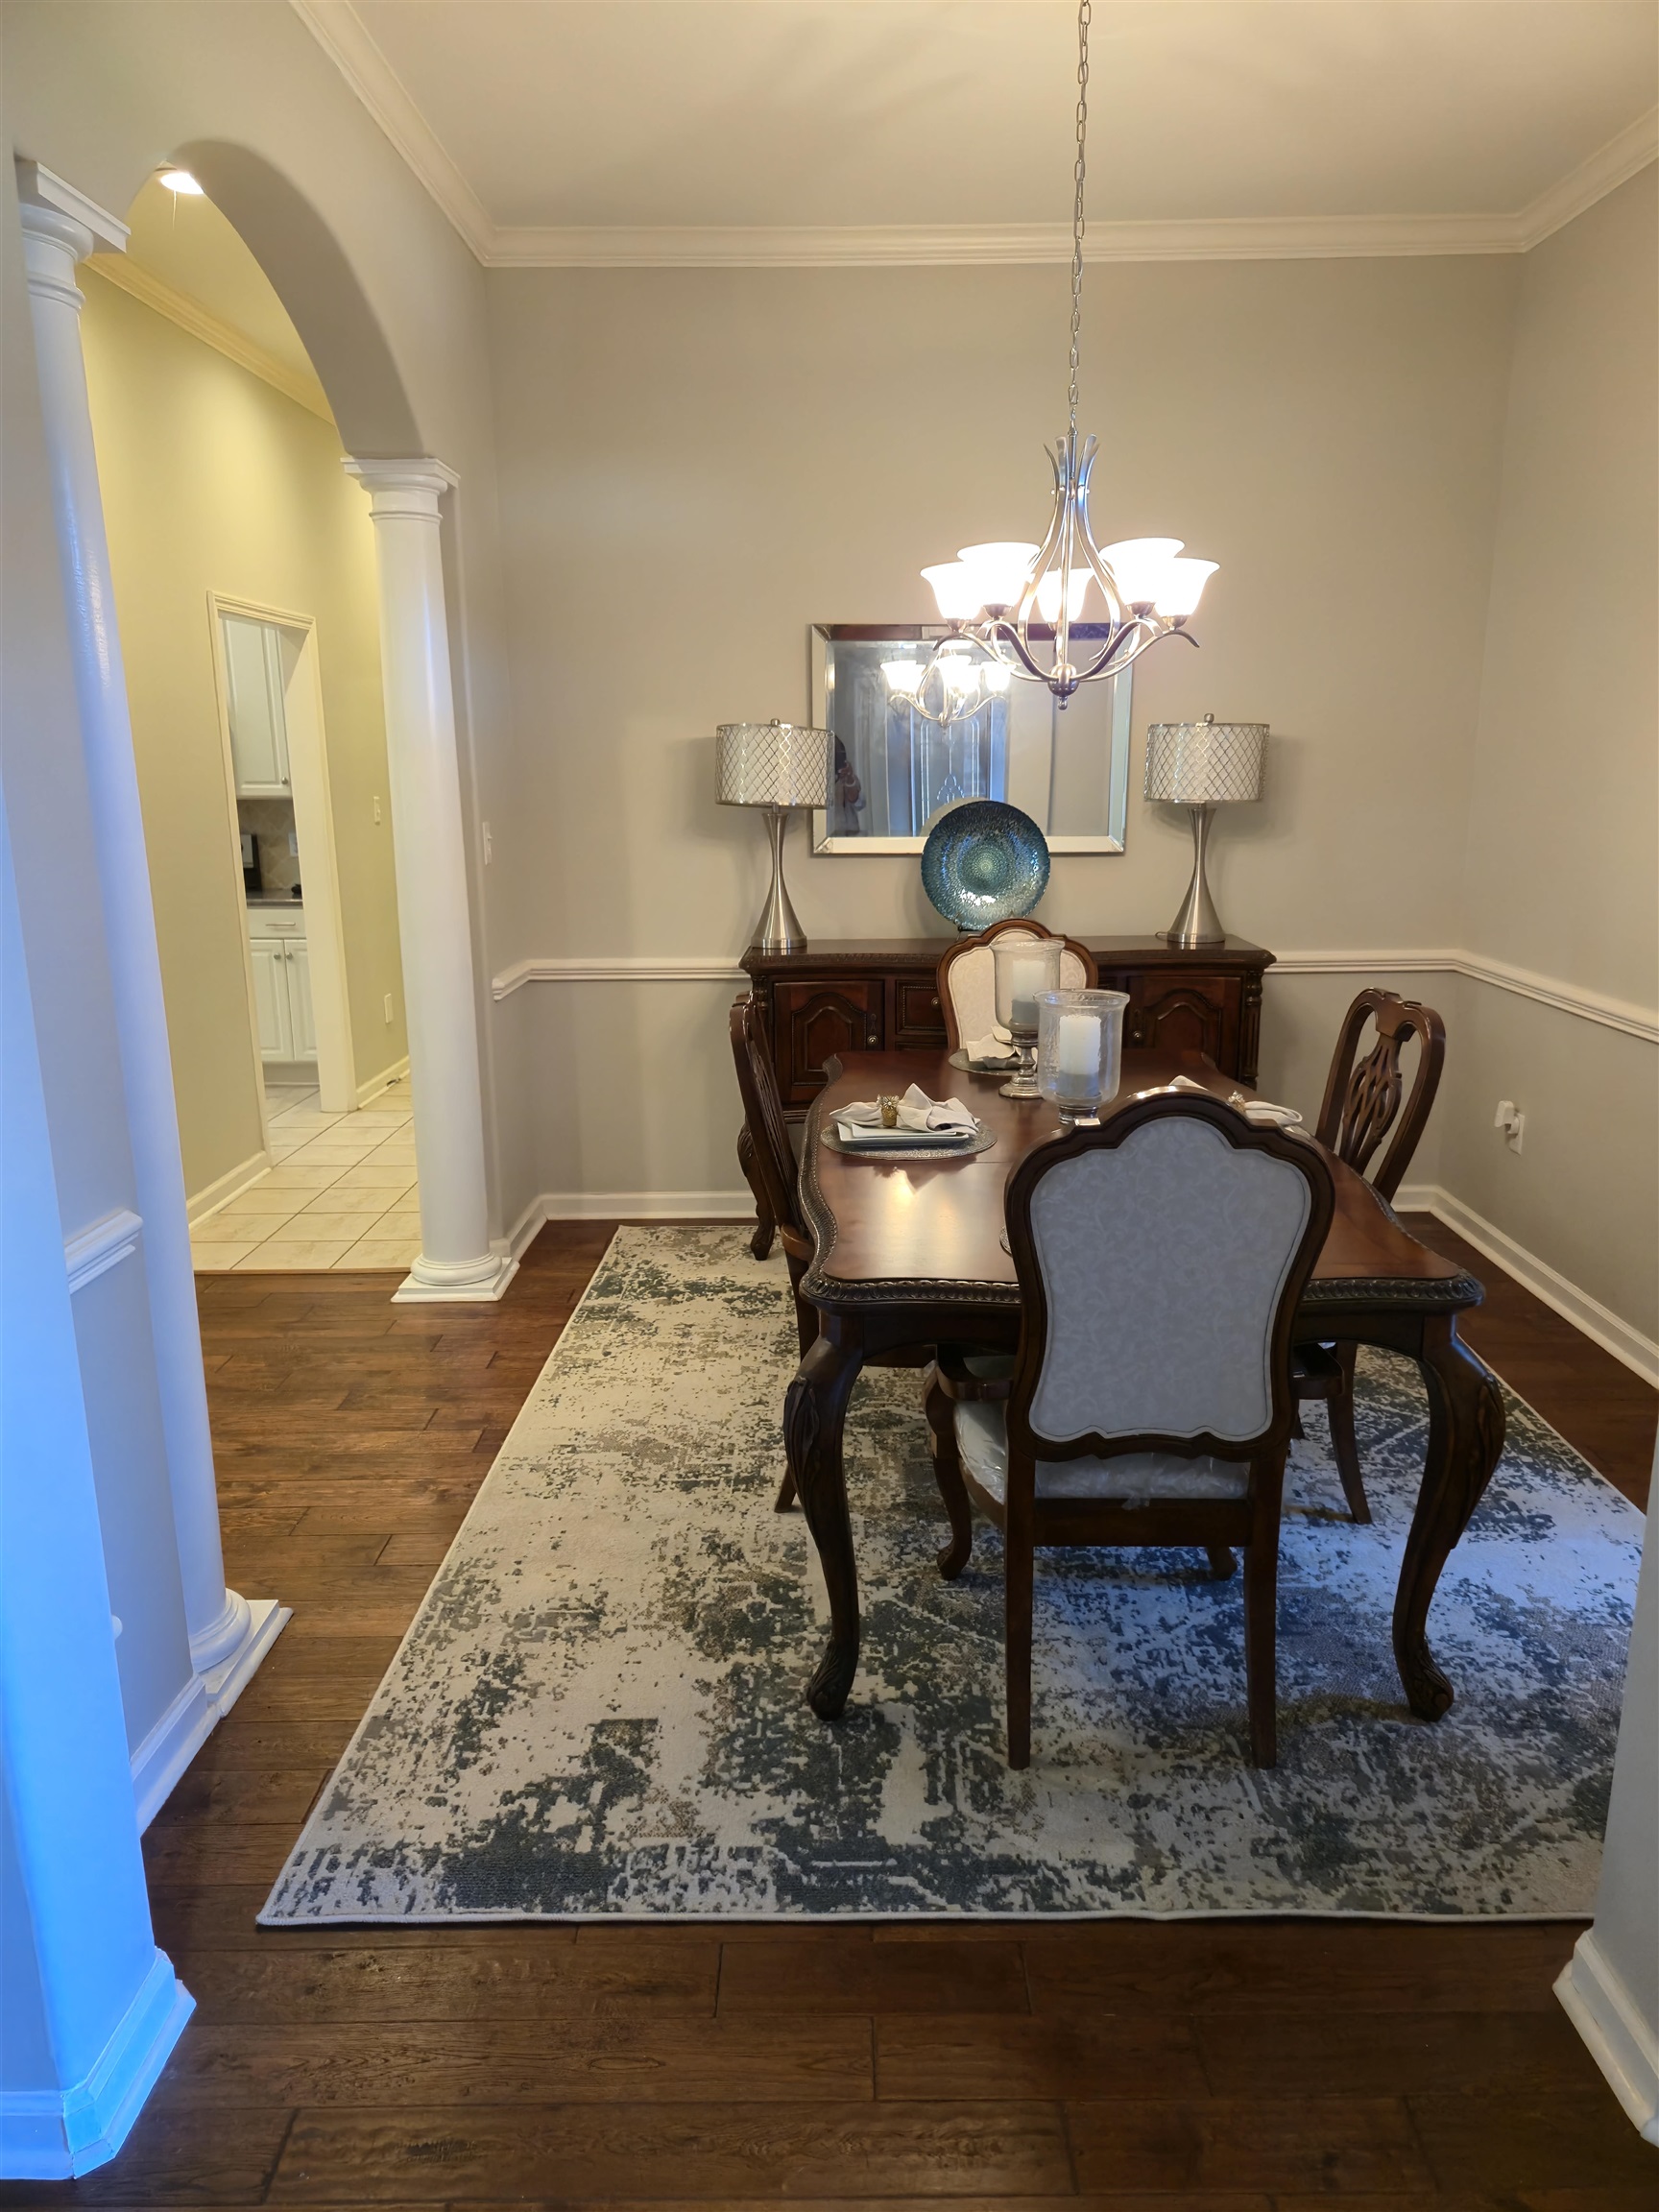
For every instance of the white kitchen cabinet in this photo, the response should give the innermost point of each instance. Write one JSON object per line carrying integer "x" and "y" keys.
{"x": 271, "y": 998}
{"x": 259, "y": 724}
{"x": 282, "y": 983}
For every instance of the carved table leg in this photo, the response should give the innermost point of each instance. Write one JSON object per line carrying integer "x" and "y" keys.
{"x": 813, "y": 1414}
{"x": 765, "y": 1228}
{"x": 1465, "y": 1438}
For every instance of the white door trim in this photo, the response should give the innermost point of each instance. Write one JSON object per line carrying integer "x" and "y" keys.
{"x": 314, "y": 820}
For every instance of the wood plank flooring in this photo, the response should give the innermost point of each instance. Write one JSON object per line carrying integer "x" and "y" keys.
{"x": 1240, "y": 2066}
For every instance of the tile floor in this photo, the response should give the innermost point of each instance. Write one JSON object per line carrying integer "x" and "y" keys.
{"x": 342, "y": 1194}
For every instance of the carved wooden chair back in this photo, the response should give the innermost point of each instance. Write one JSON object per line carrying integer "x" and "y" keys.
{"x": 768, "y": 1131}
{"x": 1362, "y": 1097}
{"x": 968, "y": 981}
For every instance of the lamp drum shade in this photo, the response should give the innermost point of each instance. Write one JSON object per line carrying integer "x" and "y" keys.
{"x": 1205, "y": 763}
{"x": 773, "y": 764}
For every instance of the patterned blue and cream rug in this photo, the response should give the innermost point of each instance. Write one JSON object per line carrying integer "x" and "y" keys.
{"x": 597, "y": 1711}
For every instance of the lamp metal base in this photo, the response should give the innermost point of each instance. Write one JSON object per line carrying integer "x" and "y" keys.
{"x": 1198, "y": 923}
{"x": 779, "y": 928}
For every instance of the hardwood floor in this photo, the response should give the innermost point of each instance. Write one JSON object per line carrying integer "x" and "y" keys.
{"x": 1237, "y": 2065}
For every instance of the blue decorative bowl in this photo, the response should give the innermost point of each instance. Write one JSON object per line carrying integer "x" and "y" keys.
{"x": 984, "y": 862}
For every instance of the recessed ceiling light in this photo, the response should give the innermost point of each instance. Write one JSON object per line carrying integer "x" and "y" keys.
{"x": 181, "y": 181}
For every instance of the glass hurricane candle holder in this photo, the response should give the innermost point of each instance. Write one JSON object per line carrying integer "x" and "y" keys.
{"x": 1079, "y": 1050}
{"x": 1026, "y": 967}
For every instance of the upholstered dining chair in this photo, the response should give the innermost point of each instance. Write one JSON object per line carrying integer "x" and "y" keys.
{"x": 968, "y": 977}
{"x": 1160, "y": 1257}
{"x": 1363, "y": 1103}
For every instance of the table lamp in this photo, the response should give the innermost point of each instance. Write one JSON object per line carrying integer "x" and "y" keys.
{"x": 776, "y": 765}
{"x": 1202, "y": 765}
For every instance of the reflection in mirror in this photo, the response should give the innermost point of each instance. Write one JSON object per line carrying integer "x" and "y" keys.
{"x": 912, "y": 740}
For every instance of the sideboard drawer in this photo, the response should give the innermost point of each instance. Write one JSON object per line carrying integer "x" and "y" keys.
{"x": 917, "y": 1020}
{"x": 812, "y": 1020}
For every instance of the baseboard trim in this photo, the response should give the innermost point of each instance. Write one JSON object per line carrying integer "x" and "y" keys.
{"x": 161, "y": 1758}
{"x": 646, "y": 1206}
{"x": 230, "y": 1185}
{"x": 1622, "y": 2044}
{"x": 397, "y": 1073}
{"x": 163, "y": 1755}
{"x": 54, "y": 2136}
{"x": 1604, "y": 1327}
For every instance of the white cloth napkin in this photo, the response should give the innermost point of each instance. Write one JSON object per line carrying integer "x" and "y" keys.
{"x": 1261, "y": 1113}
{"x": 998, "y": 1045}
{"x": 860, "y": 1124}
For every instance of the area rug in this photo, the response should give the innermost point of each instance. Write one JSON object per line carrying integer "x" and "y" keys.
{"x": 597, "y": 1711}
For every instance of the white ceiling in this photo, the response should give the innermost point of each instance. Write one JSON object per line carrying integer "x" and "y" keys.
{"x": 556, "y": 131}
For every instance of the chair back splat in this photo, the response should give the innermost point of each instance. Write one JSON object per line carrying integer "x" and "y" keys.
{"x": 967, "y": 980}
{"x": 1161, "y": 1260}
{"x": 1362, "y": 1096}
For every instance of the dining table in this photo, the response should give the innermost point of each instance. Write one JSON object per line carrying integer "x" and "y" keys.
{"x": 909, "y": 1252}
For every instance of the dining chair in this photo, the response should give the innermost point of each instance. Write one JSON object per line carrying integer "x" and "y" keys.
{"x": 1362, "y": 1104}
{"x": 968, "y": 977}
{"x": 1160, "y": 1257}
{"x": 771, "y": 1153}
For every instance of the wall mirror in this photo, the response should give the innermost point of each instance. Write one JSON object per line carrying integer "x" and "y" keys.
{"x": 896, "y": 771}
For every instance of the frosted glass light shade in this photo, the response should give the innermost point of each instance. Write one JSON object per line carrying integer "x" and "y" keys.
{"x": 902, "y": 677}
{"x": 1077, "y": 584}
{"x": 1205, "y": 763}
{"x": 958, "y": 590}
{"x": 1139, "y": 565}
{"x": 1183, "y": 587}
{"x": 773, "y": 764}
{"x": 1001, "y": 568}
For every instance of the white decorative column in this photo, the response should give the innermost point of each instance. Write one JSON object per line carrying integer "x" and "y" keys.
{"x": 434, "y": 923}
{"x": 92, "y": 2008}
{"x": 226, "y": 1637}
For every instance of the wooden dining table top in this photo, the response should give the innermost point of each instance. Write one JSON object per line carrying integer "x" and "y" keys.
{"x": 888, "y": 1228}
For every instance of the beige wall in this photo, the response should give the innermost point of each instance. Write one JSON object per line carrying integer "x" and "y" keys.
{"x": 697, "y": 464}
{"x": 213, "y": 481}
{"x": 1561, "y": 874}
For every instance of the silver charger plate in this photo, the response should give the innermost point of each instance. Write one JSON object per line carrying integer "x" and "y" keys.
{"x": 982, "y": 1142}
{"x": 959, "y": 1059}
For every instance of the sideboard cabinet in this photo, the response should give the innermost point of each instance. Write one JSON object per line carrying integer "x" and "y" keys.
{"x": 874, "y": 995}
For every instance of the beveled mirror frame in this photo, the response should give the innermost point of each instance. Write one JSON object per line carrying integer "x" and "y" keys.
{"x": 821, "y": 635}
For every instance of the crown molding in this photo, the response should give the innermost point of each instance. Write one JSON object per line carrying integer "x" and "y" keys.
{"x": 345, "y": 40}
{"x": 947, "y": 244}
{"x": 154, "y": 292}
{"x": 1607, "y": 168}
{"x": 349, "y": 43}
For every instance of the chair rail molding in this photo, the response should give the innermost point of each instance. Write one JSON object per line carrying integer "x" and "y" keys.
{"x": 1600, "y": 1007}
{"x": 101, "y": 1246}
{"x": 1590, "y": 1005}
{"x": 644, "y": 968}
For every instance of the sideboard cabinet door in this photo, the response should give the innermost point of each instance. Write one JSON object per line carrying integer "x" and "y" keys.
{"x": 1186, "y": 1014}
{"x": 812, "y": 1020}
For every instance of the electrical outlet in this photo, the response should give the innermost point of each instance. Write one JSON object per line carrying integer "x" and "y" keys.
{"x": 376, "y": 805}
{"x": 489, "y": 844}
{"x": 1513, "y": 1122}
{"x": 388, "y": 1003}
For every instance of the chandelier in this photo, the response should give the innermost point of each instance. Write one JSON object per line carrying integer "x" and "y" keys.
{"x": 1027, "y": 606}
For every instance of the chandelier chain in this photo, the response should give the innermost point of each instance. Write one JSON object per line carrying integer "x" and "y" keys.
{"x": 1085, "y": 13}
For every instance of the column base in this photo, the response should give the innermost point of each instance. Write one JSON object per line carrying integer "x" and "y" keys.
{"x": 267, "y": 1618}
{"x": 52, "y": 2135}
{"x": 450, "y": 1282}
